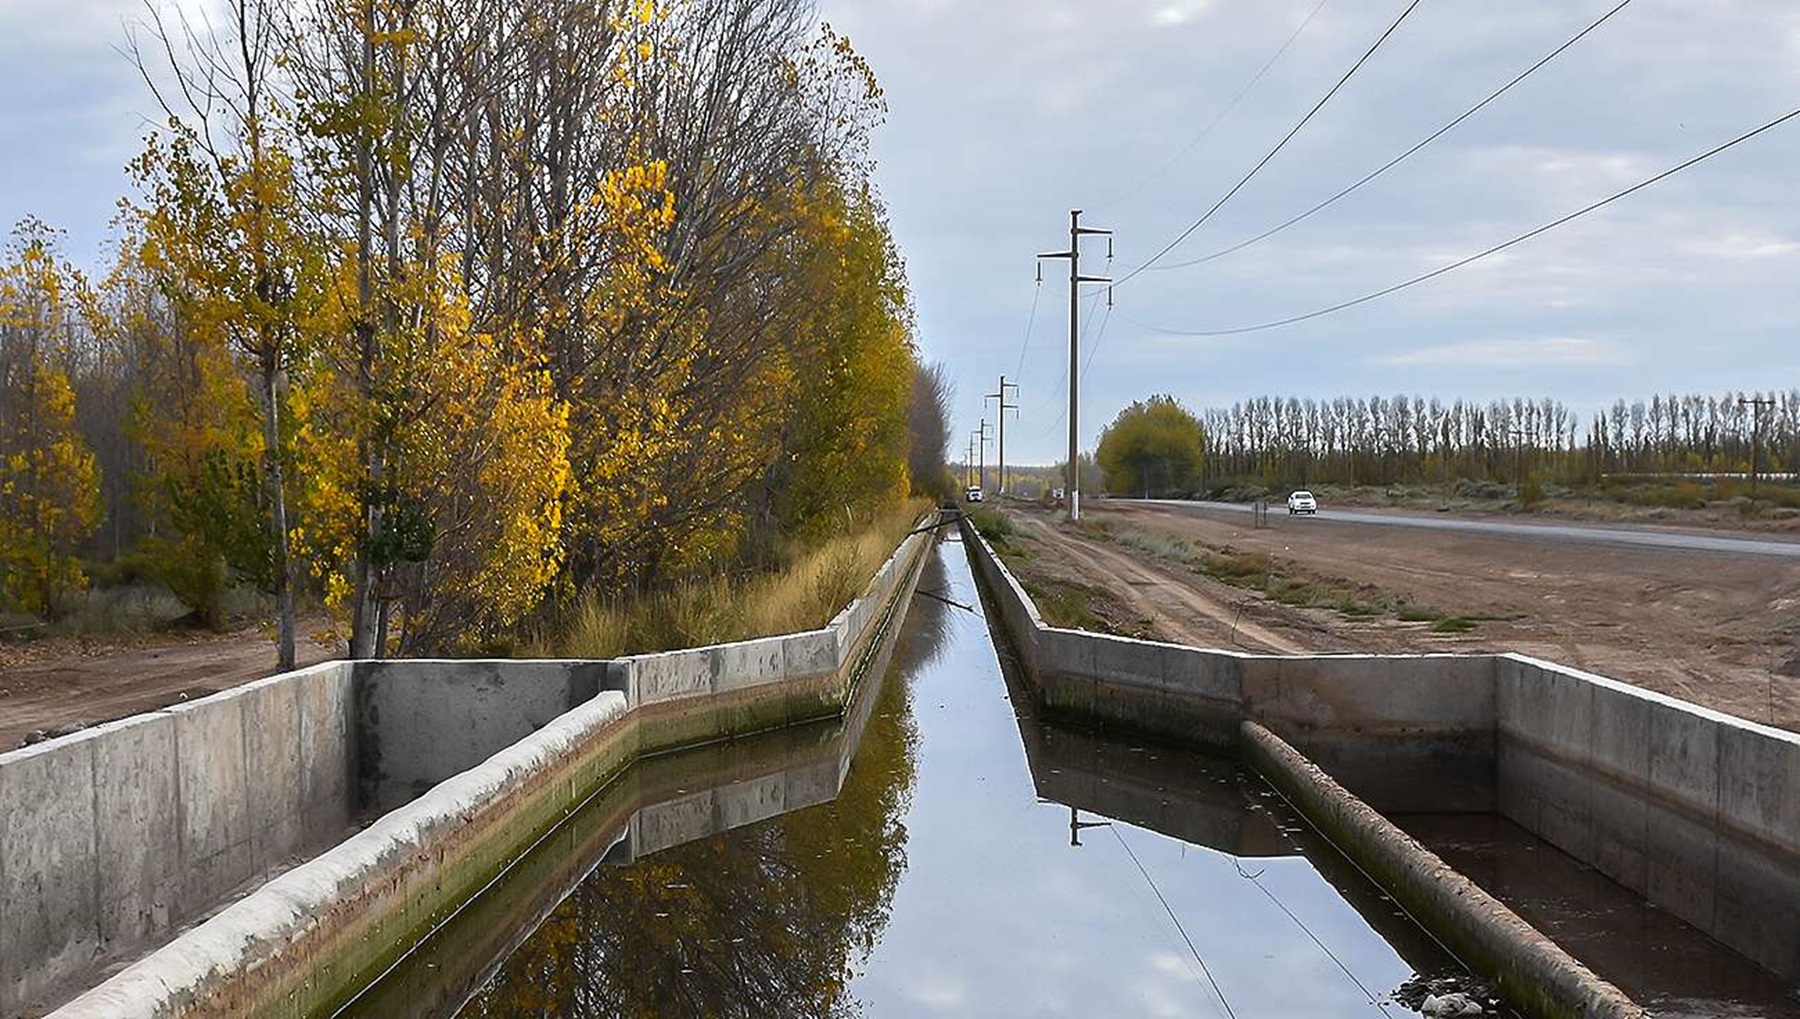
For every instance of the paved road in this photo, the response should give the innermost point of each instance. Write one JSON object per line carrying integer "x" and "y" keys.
{"x": 1685, "y": 541}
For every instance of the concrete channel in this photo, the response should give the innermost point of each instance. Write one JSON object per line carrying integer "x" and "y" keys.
{"x": 275, "y": 847}
{"x": 1696, "y": 811}
{"x": 281, "y": 848}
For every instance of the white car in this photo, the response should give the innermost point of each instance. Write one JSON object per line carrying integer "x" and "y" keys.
{"x": 1302, "y": 502}
{"x": 972, "y": 493}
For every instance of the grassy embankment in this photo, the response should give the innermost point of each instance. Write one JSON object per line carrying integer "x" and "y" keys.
{"x": 1281, "y": 582}
{"x": 814, "y": 585}
{"x": 1063, "y": 603}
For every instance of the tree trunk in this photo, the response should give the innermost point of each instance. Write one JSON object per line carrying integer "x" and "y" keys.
{"x": 278, "y": 522}
{"x": 362, "y": 614}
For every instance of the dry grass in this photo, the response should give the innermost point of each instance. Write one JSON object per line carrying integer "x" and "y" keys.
{"x": 815, "y": 585}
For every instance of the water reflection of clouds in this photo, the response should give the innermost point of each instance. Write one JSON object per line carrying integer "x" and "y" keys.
{"x": 938, "y": 883}
{"x": 998, "y": 915}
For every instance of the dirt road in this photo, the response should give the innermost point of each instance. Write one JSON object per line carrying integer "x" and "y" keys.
{"x": 1719, "y": 629}
{"x": 90, "y": 687}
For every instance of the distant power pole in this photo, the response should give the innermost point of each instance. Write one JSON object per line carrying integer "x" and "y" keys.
{"x": 981, "y": 441}
{"x": 969, "y": 465}
{"x": 1000, "y": 394}
{"x": 1076, "y": 279}
{"x": 1756, "y": 405}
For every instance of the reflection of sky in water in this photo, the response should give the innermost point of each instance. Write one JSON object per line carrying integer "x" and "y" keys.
{"x": 992, "y": 911}
{"x": 939, "y": 884}
{"x": 998, "y": 915}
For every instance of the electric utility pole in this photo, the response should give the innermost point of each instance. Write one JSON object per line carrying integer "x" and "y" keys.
{"x": 981, "y": 441}
{"x": 1076, "y": 279}
{"x": 1756, "y": 405}
{"x": 969, "y": 465}
{"x": 1000, "y": 394}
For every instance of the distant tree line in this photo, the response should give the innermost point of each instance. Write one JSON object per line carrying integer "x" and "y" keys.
{"x": 1412, "y": 439}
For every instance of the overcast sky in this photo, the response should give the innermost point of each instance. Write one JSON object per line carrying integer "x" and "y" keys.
{"x": 1005, "y": 114}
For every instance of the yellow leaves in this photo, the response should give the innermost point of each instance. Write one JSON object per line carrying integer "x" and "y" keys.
{"x": 49, "y": 480}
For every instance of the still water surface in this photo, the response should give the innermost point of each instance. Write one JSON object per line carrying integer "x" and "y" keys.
{"x": 974, "y": 862}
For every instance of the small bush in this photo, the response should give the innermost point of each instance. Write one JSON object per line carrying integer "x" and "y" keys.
{"x": 1453, "y": 624}
{"x": 1245, "y": 570}
{"x": 1157, "y": 544}
{"x": 1531, "y": 493}
{"x": 990, "y": 523}
{"x": 1468, "y": 489}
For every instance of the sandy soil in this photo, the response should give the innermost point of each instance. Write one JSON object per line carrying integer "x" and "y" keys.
{"x": 1720, "y": 630}
{"x": 59, "y": 682}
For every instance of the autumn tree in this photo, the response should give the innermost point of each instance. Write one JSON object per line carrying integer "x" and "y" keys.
{"x": 1154, "y": 446}
{"x": 49, "y": 487}
{"x": 442, "y": 313}
{"x": 223, "y": 232}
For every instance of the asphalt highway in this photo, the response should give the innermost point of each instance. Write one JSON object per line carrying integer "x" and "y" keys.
{"x": 1641, "y": 537}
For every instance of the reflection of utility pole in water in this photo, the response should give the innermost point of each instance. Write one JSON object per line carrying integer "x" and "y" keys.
{"x": 1076, "y": 824}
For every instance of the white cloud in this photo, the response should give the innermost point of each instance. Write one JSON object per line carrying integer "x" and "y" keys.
{"x": 939, "y": 992}
{"x": 1745, "y": 245}
{"x": 1182, "y": 12}
{"x": 1539, "y": 352}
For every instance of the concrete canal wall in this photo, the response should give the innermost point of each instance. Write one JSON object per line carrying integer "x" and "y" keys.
{"x": 1373, "y": 720}
{"x": 121, "y": 835}
{"x": 1697, "y": 811}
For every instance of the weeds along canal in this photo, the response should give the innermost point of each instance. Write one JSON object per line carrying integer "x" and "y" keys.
{"x": 936, "y": 853}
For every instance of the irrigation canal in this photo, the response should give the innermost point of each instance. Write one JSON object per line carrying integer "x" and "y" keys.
{"x": 942, "y": 851}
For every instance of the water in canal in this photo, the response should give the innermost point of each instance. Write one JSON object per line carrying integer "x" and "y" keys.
{"x": 974, "y": 862}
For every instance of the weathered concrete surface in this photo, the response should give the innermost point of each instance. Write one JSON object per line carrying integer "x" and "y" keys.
{"x": 1697, "y": 811}
{"x": 419, "y": 721}
{"x": 339, "y": 912}
{"x": 319, "y": 932}
{"x": 118, "y": 835}
{"x": 1372, "y": 720}
{"x": 460, "y": 955}
{"x": 1529, "y": 967}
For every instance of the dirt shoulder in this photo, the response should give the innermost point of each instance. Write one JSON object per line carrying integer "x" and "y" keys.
{"x": 1721, "y": 630}
{"x": 62, "y": 682}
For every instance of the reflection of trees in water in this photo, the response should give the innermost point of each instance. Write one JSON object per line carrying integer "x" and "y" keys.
{"x": 769, "y": 920}
{"x": 927, "y": 627}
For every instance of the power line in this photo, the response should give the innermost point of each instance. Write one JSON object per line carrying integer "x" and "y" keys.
{"x": 1496, "y": 249}
{"x": 1030, "y": 320}
{"x": 1177, "y": 921}
{"x": 1053, "y": 398}
{"x": 1094, "y": 345}
{"x": 1402, "y": 157}
{"x": 1133, "y": 190}
{"x": 1278, "y": 146}
{"x": 1256, "y": 879}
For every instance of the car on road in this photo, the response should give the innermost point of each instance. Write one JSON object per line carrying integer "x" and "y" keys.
{"x": 973, "y": 493}
{"x": 1302, "y": 501}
